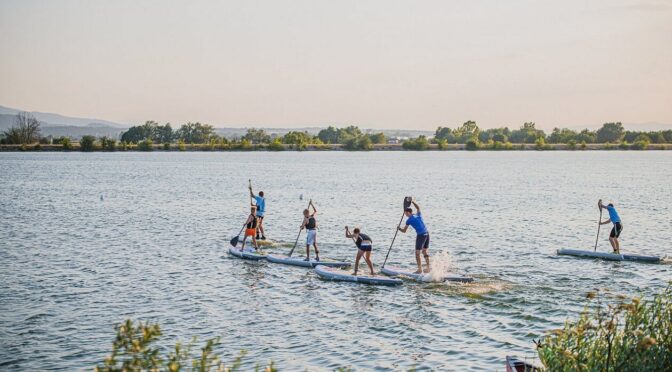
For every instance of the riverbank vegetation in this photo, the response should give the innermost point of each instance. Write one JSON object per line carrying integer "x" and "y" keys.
{"x": 634, "y": 335}
{"x": 152, "y": 136}
{"x": 135, "y": 349}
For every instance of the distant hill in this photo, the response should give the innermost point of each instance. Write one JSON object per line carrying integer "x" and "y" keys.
{"x": 56, "y": 119}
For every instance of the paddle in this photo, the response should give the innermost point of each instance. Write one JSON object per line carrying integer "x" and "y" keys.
{"x": 599, "y": 224}
{"x": 298, "y": 235}
{"x": 234, "y": 241}
{"x": 407, "y": 203}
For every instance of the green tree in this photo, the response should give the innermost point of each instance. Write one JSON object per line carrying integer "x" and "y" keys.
{"x": 610, "y": 133}
{"x": 421, "y": 143}
{"x": 468, "y": 130}
{"x": 87, "y": 143}
{"x": 195, "y": 132}
{"x": 107, "y": 143}
{"x": 329, "y": 135}
{"x": 563, "y": 135}
{"x": 528, "y": 133}
{"x": 378, "y": 138}
{"x": 257, "y": 136}
{"x": 444, "y": 133}
{"x": 301, "y": 139}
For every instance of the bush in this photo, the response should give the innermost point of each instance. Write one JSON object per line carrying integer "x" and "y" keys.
{"x": 624, "y": 146}
{"x": 418, "y": 144}
{"x": 87, "y": 143}
{"x": 37, "y": 147}
{"x": 107, "y": 143}
{"x": 442, "y": 144}
{"x": 180, "y": 145}
{"x": 640, "y": 145}
{"x": 626, "y": 336}
{"x": 540, "y": 144}
{"x": 276, "y": 145}
{"x": 166, "y": 146}
{"x": 571, "y": 144}
{"x": 66, "y": 143}
{"x": 135, "y": 349}
{"x": 146, "y": 145}
{"x": 472, "y": 144}
{"x": 583, "y": 145}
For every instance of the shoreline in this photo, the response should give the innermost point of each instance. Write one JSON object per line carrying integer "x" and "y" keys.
{"x": 75, "y": 147}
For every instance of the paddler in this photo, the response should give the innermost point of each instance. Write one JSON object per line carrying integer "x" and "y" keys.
{"x": 422, "y": 238}
{"x": 310, "y": 224}
{"x": 618, "y": 225}
{"x": 251, "y": 229}
{"x": 364, "y": 245}
{"x": 261, "y": 210}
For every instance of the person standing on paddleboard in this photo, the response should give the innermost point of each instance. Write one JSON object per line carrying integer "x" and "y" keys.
{"x": 422, "y": 238}
{"x": 261, "y": 210}
{"x": 618, "y": 225}
{"x": 310, "y": 224}
{"x": 364, "y": 246}
{"x": 251, "y": 229}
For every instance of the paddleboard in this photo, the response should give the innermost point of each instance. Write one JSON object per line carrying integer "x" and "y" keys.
{"x": 425, "y": 277}
{"x": 333, "y": 273}
{"x": 609, "y": 256}
{"x": 247, "y": 255}
{"x": 299, "y": 261}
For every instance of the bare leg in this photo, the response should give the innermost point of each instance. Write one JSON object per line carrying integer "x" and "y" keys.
{"x": 618, "y": 245}
{"x": 254, "y": 243}
{"x": 317, "y": 252}
{"x": 418, "y": 261}
{"x": 307, "y": 252}
{"x": 261, "y": 228}
{"x": 613, "y": 245}
{"x": 367, "y": 257}
{"x": 359, "y": 255}
{"x": 424, "y": 253}
{"x": 242, "y": 246}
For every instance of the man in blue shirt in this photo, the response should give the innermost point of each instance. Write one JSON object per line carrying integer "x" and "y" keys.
{"x": 261, "y": 210}
{"x": 422, "y": 238}
{"x": 618, "y": 225}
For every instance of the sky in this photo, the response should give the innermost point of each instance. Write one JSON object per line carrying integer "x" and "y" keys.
{"x": 377, "y": 64}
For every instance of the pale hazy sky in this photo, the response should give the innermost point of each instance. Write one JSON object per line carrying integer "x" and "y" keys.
{"x": 379, "y": 64}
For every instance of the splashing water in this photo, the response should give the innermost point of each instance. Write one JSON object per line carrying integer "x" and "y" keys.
{"x": 442, "y": 264}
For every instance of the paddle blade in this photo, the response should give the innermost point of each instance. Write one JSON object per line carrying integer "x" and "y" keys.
{"x": 407, "y": 202}
{"x": 234, "y": 241}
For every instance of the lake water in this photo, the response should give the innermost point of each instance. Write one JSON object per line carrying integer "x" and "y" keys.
{"x": 154, "y": 248}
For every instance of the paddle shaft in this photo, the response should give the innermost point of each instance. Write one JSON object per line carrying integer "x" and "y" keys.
{"x": 396, "y": 231}
{"x": 599, "y": 224}
{"x": 299, "y": 234}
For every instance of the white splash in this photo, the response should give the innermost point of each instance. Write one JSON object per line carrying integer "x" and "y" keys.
{"x": 442, "y": 265}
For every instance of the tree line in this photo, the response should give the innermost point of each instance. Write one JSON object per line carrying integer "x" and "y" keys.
{"x": 26, "y": 130}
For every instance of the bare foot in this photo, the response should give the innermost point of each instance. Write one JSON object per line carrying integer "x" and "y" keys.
{"x": 373, "y": 274}
{"x": 354, "y": 273}
{"x": 418, "y": 272}
{"x": 427, "y": 270}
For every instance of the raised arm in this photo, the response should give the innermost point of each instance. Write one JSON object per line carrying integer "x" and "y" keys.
{"x": 347, "y": 233}
{"x": 312, "y": 205}
{"x": 417, "y": 207}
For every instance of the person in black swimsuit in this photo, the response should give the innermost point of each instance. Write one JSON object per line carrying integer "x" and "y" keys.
{"x": 364, "y": 246}
{"x": 310, "y": 224}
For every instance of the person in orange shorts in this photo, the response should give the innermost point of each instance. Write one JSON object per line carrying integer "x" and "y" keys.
{"x": 251, "y": 229}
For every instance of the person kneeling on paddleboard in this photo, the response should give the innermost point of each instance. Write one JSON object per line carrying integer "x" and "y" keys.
{"x": 422, "y": 238}
{"x": 618, "y": 225}
{"x": 251, "y": 229}
{"x": 310, "y": 224}
{"x": 364, "y": 245}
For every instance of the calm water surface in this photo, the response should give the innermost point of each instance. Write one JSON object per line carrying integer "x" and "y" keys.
{"x": 72, "y": 265}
